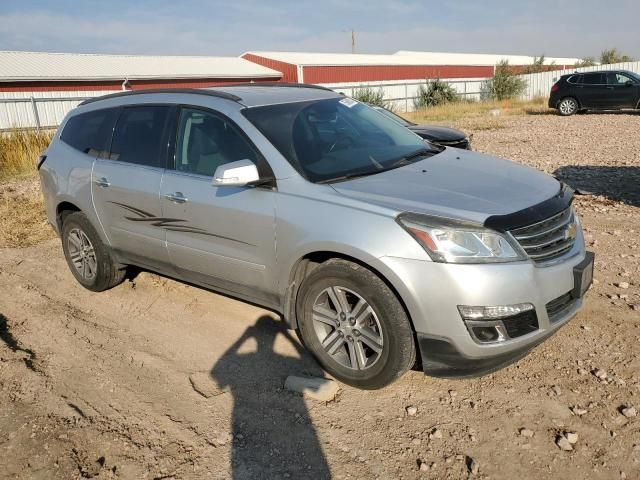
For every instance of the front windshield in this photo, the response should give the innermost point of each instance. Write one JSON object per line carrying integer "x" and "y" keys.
{"x": 337, "y": 138}
{"x": 394, "y": 116}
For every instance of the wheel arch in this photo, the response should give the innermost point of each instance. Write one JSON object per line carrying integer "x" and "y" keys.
{"x": 306, "y": 263}
{"x": 63, "y": 210}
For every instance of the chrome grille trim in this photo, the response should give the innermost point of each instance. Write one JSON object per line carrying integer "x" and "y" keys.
{"x": 549, "y": 238}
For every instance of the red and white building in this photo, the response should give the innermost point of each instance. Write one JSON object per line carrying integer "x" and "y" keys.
{"x": 64, "y": 79}
{"x": 339, "y": 68}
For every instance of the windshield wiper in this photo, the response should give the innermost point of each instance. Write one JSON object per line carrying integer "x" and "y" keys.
{"x": 348, "y": 176}
{"x": 423, "y": 152}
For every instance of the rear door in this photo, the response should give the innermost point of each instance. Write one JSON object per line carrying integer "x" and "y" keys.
{"x": 622, "y": 91}
{"x": 221, "y": 236}
{"x": 593, "y": 90}
{"x": 126, "y": 184}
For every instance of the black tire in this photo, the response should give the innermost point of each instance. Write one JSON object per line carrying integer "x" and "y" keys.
{"x": 105, "y": 273}
{"x": 398, "y": 350}
{"x": 568, "y": 106}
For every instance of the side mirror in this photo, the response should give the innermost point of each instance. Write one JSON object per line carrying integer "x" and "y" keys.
{"x": 629, "y": 83}
{"x": 236, "y": 174}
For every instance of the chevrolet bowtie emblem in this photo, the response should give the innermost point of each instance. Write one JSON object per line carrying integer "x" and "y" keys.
{"x": 570, "y": 232}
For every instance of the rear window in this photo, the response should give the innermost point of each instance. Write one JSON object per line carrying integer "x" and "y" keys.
{"x": 138, "y": 137}
{"x": 575, "y": 79}
{"x": 90, "y": 132}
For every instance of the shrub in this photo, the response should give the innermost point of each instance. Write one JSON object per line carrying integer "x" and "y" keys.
{"x": 538, "y": 65}
{"x": 503, "y": 85}
{"x": 370, "y": 96}
{"x": 436, "y": 92}
{"x": 585, "y": 62}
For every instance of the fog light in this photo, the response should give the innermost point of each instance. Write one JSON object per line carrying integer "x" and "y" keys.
{"x": 499, "y": 323}
{"x": 486, "y": 334}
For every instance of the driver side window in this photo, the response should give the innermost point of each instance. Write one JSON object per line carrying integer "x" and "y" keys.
{"x": 205, "y": 141}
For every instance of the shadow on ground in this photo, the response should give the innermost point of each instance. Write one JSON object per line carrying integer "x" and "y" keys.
{"x": 617, "y": 183}
{"x": 273, "y": 436}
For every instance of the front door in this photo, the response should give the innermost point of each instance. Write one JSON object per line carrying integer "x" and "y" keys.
{"x": 125, "y": 186}
{"x": 221, "y": 236}
{"x": 623, "y": 91}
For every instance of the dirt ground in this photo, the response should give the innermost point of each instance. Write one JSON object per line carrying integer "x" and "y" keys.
{"x": 158, "y": 380}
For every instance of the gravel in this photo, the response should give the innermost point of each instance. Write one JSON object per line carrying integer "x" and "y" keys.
{"x": 115, "y": 382}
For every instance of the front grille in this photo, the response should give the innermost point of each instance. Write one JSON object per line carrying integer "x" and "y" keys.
{"x": 558, "y": 306}
{"x": 521, "y": 324}
{"x": 549, "y": 238}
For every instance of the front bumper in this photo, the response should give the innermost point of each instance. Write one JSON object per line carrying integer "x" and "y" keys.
{"x": 432, "y": 292}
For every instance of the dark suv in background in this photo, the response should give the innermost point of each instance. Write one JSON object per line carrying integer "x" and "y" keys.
{"x": 605, "y": 90}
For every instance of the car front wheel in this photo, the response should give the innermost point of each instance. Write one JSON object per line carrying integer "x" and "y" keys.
{"x": 568, "y": 106}
{"x": 354, "y": 325}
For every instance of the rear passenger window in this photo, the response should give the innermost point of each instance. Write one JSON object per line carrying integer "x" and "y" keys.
{"x": 594, "y": 79}
{"x": 138, "y": 137}
{"x": 205, "y": 141}
{"x": 90, "y": 132}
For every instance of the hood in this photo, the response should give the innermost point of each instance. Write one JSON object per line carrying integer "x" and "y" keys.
{"x": 456, "y": 184}
{"x": 431, "y": 132}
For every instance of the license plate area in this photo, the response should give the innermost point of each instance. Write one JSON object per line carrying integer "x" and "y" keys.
{"x": 583, "y": 275}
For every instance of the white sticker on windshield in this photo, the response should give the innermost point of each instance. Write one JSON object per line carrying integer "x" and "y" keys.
{"x": 348, "y": 102}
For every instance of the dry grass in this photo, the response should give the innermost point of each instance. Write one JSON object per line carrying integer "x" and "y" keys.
{"x": 23, "y": 221}
{"x": 19, "y": 151}
{"x": 479, "y": 110}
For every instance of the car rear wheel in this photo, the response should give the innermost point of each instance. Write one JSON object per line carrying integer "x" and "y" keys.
{"x": 568, "y": 106}
{"x": 354, "y": 325}
{"x": 89, "y": 260}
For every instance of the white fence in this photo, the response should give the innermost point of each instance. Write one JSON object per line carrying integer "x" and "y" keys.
{"x": 539, "y": 84}
{"x": 39, "y": 109}
{"x": 401, "y": 93}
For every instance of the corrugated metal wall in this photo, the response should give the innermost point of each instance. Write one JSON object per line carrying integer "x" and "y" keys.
{"x": 17, "y": 108}
{"x": 401, "y": 93}
{"x": 539, "y": 84}
{"x": 369, "y": 73}
{"x": 52, "y": 101}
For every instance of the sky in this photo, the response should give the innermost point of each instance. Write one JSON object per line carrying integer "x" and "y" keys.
{"x": 198, "y": 27}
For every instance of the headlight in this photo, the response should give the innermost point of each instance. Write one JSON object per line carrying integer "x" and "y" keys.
{"x": 448, "y": 241}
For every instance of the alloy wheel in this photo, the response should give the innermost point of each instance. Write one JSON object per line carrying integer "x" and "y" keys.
{"x": 82, "y": 254}
{"x": 348, "y": 328}
{"x": 568, "y": 106}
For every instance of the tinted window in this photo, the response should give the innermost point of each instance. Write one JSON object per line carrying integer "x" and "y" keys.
{"x": 138, "y": 137}
{"x": 90, "y": 132}
{"x": 615, "y": 78}
{"x": 205, "y": 141}
{"x": 337, "y": 138}
{"x": 594, "y": 79}
{"x": 575, "y": 79}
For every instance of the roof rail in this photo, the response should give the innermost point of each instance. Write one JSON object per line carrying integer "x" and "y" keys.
{"x": 277, "y": 84}
{"x": 196, "y": 91}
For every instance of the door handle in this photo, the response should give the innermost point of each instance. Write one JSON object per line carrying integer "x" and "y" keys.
{"x": 102, "y": 182}
{"x": 176, "y": 197}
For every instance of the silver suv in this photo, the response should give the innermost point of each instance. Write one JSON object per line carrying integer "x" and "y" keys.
{"x": 383, "y": 251}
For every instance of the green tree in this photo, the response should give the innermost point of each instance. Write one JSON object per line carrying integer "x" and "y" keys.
{"x": 503, "y": 85}
{"x": 612, "y": 55}
{"x": 436, "y": 92}
{"x": 370, "y": 96}
{"x": 585, "y": 62}
{"x": 538, "y": 65}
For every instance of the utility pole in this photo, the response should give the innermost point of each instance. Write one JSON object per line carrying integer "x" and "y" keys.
{"x": 353, "y": 41}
